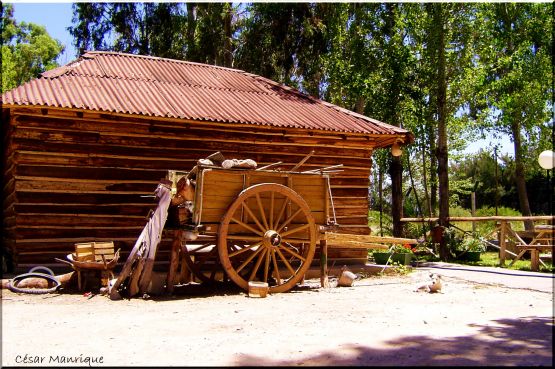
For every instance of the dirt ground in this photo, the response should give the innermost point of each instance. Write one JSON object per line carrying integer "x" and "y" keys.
{"x": 380, "y": 320}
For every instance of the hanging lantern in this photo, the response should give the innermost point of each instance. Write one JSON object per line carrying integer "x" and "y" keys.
{"x": 547, "y": 159}
{"x": 396, "y": 149}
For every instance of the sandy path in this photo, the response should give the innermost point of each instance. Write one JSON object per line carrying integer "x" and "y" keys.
{"x": 378, "y": 321}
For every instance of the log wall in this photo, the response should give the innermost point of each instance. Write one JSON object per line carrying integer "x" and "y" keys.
{"x": 77, "y": 176}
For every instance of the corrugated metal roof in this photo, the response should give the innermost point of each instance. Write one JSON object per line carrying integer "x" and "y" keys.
{"x": 151, "y": 86}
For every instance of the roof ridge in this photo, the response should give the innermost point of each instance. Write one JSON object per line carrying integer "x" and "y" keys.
{"x": 203, "y": 65}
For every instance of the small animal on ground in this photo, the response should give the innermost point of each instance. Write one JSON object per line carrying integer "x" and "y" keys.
{"x": 432, "y": 285}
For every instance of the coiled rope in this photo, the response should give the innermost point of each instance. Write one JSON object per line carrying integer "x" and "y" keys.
{"x": 49, "y": 275}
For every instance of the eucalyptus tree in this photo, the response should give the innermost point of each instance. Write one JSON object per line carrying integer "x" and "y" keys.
{"x": 200, "y": 32}
{"x": 27, "y": 50}
{"x": 514, "y": 83}
{"x": 287, "y": 42}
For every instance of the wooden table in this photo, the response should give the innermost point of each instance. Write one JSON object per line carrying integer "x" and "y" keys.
{"x": 542, "y": 241}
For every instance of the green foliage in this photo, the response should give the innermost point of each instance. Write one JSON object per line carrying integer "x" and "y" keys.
{"x": 472, "y": 243}
{"x": 200, "y": 32}
{"x": 491, "y": 259}
{"x": 374, "y": 223}
{"x": 27, "y": 50}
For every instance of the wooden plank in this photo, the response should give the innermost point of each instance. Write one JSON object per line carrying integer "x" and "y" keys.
{"x": 240, "y": 135}
{"x": 344, "y": 237}
{"x": 488, "y": 218}
{"x": 357, "y": 245}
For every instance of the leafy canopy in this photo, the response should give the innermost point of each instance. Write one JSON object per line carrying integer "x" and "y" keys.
{"x": 27, "y": 50}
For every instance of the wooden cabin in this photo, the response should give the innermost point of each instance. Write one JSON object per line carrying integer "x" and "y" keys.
{"x": 86, "y": 144}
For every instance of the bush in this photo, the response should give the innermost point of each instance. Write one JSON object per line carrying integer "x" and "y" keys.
{"x": 472, "y": 243}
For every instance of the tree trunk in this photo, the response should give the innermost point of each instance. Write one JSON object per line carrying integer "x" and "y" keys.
{"x": 380, "y": 195}
{"x": 519, "y": 178}
{"x": 433, "y": 172}
{"x": 191, "y": 28}
{"x": 442, "y": 153}
{"x": 395, "y": 171}
{"x": 228, "y": 53}
{"x": 359, "y": 105}
{"x": 425, "y": 183}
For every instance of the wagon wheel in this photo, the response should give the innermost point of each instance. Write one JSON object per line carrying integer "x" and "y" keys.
{"x": 204, "y": 262}
{"x": 268, "y": 234}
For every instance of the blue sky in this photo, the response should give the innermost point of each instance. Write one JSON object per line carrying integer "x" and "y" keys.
{"x": 56, "y": 17}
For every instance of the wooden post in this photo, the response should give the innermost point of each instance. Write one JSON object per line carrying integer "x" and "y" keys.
{"x": 185, "y": 275}
{"x": 502, "y": 246}
{"x": 174, "y": 260}
{"x": 473, "y": 209}
{"x": 535, "y": 260}
{"x": 324, "y": 282}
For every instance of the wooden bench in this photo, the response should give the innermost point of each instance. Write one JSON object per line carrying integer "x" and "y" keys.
{"x": 542, "y": 242}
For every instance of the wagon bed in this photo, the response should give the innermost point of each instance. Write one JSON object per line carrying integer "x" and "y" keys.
{"x": 255, "y": 225}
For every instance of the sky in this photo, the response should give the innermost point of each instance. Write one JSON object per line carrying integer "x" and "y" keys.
{"x": 56, "y": 17}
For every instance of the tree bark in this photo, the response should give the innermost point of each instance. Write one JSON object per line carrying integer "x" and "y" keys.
{"x": 395, "y": 171}
{"x": 519, "y": 178}
{"x": 228, "y": 53}
{"x": 442, "y": 153}
{"x": 191, "y": 28}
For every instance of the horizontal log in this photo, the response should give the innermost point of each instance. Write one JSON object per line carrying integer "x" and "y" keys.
{"x": 96, "y": 173}
{"x": 78, "y": 220}
{"x": 84, "y": 209}
{"x": 177, "y": 153}
{"x": 83, "y": 186}
{"x": 359, "y": 245}
{"x": 477, "y": 219}
{"x": 137, "y": 162}
{"x": 175, "y": 149}
{"x": 155, "y": 128}
{"x": 77, "y": 199}
{"x": 344, "y": 237}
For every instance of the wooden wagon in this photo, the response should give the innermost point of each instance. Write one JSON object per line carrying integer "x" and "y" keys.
{"x": 254, "y": 225}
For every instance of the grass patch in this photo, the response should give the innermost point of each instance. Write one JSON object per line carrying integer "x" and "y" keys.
{"x": 491, "y": 259}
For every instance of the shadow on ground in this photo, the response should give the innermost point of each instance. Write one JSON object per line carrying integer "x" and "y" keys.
{"x": 507, "y": 342}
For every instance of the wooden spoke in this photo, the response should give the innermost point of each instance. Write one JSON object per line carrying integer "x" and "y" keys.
{"x": 246, "y": 262}
{"x": 247, "y": 227}
{"x": 258, "y": 262}
{"x": 261, "y": 210}
{"x": 289, "y": 220}
{"x": 272, "y": 210}
{"x": 280, "y": 214}
{"x": 276, "y": 269}
{"x": 244, "y": 238}
{"x": 246, "y": 248}
{"x": 261, "y": 249}
{"x": 292, "y": 253}
{"x": 267, "y": 266}
{"x": 201, "y": 247}
{"x": 285, "y": 262}
{"x": 295, "y": 230}
{"x": 262, "y": 228}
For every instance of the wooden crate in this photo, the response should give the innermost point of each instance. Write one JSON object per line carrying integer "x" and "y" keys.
{"x": 94, "y": 251}
{"x": 84, "y": 251}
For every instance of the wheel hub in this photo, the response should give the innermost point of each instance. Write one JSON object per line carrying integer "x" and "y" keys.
{"x": 271, "y": 239}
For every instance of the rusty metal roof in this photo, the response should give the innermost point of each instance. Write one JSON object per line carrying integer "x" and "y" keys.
{"x": 157, "y": 87}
